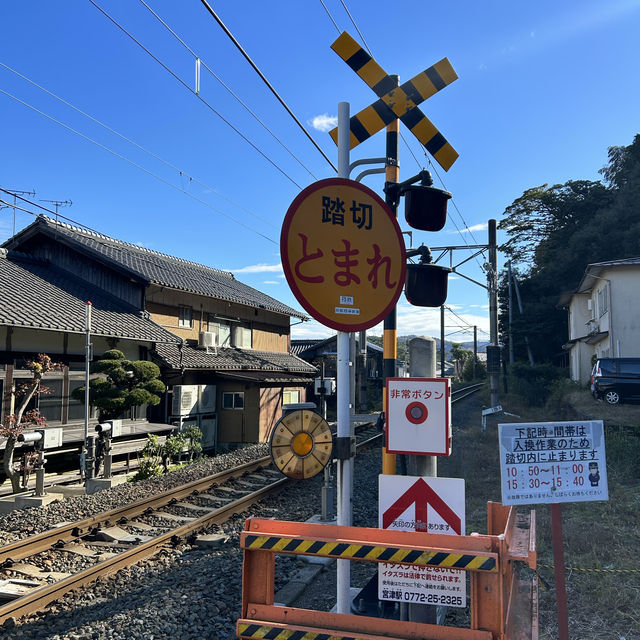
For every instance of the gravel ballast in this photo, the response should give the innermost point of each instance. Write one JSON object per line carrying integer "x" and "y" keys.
{"x": 186, "y": 592}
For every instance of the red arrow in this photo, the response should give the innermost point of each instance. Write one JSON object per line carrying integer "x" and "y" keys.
{"x": 422, "y": 495}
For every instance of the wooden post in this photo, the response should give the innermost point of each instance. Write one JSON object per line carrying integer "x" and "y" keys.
{"x": 558, "y": 561}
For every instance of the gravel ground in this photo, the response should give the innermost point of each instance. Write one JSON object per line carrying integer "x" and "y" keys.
{"x": 184, "y": 592}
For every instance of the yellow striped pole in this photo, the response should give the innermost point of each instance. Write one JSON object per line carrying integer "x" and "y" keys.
{"x": 389, "y": 342}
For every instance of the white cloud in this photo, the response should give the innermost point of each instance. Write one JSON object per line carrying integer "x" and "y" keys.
{"x": 324, "y": 122}
{"x": 259, "y": 268}
{"x": 476, "y": 227}
{"x": 270, "y": 282}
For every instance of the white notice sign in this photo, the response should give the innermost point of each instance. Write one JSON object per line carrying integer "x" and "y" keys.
{"x": 433, "y": 505}
{"x": 545, "y": 462}
{"x": 419, "y": 416}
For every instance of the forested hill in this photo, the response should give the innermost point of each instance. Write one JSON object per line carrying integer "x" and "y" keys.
{"x": 554, "y": 232}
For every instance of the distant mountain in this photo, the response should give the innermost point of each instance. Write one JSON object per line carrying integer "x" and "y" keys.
{"x": 482, "y": 344}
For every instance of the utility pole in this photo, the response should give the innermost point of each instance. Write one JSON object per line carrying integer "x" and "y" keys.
{"x": 492, "y": 277}
{"x": 511, "y": 354}
{"x": 475, "y": 351}
{"x": 442, "y": 345}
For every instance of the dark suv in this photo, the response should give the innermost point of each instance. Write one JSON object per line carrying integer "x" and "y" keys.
{"x": 616, "y": 379}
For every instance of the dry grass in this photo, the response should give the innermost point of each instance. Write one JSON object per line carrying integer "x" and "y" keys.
{"x": 602, "y": 539}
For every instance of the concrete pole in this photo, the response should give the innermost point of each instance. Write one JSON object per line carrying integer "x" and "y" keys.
{"x": 494, "y": 378}
{"x": 87, "y": 359}
{"x": 345, "y": 467}
{"x": 422, "y": 364}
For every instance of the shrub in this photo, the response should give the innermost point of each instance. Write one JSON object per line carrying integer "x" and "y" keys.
{"x": 536, "y": 383}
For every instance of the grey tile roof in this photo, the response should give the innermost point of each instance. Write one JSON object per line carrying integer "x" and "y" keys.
{"x": 230, "y": 359}
{"x": 36, "y": 295}
{"x": 154, "y": 267}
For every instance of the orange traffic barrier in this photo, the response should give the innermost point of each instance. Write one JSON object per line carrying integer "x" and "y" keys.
{"x": 504, "y": 602}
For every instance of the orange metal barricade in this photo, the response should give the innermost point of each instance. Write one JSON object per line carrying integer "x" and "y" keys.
{"x": 503, "y": 596}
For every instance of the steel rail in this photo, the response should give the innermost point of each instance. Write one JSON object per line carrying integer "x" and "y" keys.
{"x": 42, "y": 541}
{"x": 39, "y": 598}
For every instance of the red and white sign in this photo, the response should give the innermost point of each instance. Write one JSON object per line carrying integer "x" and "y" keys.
{"x": 434, "y": 505}
{"x": 419, "y": 416}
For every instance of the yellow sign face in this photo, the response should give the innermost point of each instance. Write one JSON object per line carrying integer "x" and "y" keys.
{"x": 301, "y": 444}
{"x": 343, "y": 254}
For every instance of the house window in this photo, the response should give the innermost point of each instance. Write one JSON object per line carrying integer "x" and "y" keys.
{"x": 233, "y": 400}
{"x": 603, "y": 301}
{"x": 185, "y": 317}
{"x": 290, "y": 396}
{"x": 222, "y": 331}
{"x": 241, "y": 337}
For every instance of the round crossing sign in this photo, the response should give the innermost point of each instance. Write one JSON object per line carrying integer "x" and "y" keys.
{"x": 343, "y": 254}
{"x": 301, "y": 444}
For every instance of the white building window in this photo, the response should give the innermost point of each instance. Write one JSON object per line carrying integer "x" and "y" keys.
{"x": 290, "y": 396}
{"x": 222, "y": 331}
{"x": 241, "y": 337}
{"x": 603, "y": 301}
{"x": 233, "y": 400}
{"x": 185, "y": 317}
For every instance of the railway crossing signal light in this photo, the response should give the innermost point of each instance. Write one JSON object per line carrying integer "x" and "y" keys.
{"x": 425, "y": 209}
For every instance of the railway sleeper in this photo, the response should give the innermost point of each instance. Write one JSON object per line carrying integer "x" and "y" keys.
{"x": 13, "y": 588}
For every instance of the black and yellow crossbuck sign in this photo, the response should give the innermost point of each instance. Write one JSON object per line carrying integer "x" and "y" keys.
{"x": 397, "y": 101}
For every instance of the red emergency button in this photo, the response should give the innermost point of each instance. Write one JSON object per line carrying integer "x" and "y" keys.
{"x": 416, "y": 412}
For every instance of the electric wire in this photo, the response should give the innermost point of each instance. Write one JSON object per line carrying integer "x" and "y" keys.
{"x": 135, "y": 144}
{"x": 225, "y": 86}
{"x": 186, "y": 86}
{"x": 39, "y": 206}
{"x": 264, "y": 79}
{"x": 353, "y": 22}
{"x": 330, "y": 17}
{"x": 135, "y": 164}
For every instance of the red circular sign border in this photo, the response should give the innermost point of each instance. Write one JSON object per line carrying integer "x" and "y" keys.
{"x": 410, "y": 418}
{"x": 284, "y": 234}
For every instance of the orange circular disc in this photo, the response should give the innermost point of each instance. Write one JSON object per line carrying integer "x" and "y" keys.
{"x": 301, "y": 444}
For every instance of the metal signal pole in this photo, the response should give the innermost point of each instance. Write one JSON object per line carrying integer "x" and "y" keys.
{"x": 389, "y": 344}
{"x": 345, "y": 468}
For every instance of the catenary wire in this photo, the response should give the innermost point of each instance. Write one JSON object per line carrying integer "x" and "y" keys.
{"x": 135, "y": 164}
{"x": 227, "y": 87}
{"x": 353, "y": 22}
{"x": 264, "y": 79}
{"x": 186, "y": 86}
{"x": 330, "y": 16}
{"x": 135, "y": 144}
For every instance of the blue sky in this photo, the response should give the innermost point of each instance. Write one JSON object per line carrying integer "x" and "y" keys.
{"x": 544, "y": 89}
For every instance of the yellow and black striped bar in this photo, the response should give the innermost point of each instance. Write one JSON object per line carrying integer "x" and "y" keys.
{"x": 285, "y": 632}
{"x": 396, "y": 102}
{"x": 370, "y": 552}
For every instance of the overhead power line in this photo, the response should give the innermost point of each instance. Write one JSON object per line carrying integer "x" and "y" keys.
{"x": 223, "y": 84}
{"x": 196, "y": 94}
{"x": 135, "y": 144}
{"x": 139, "y": 166}
{"x": 39, "y": 206}
{"x": 264, "y": 79}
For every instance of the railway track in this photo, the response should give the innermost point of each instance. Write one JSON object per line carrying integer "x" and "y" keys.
{"x": 107, "y": 542}
{"x": 110, "y": 541}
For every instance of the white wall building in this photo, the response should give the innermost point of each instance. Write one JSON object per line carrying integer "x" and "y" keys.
{"x": 604, "y": 315}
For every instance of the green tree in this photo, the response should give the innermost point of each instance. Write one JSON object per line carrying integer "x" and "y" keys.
{"x": 22, "y": 420}
{"x": 553, "y": 233}
{"x": 121, "y": 384}
{"x": 459, "y": 355}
